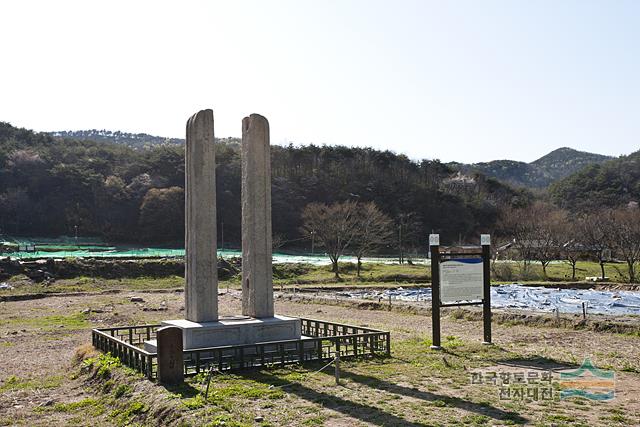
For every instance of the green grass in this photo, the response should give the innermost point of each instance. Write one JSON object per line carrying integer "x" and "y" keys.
{"x": 90, "y": 284}
{"x": 71, "y": 322}
{"x": 17, "y": 383}
{"x": 561, "y": 271}
{"x": 96, "y": 407}
{"x": 302, "y": 275}
{"x": 416, "y": 386}
{"x": 125, "y": 416}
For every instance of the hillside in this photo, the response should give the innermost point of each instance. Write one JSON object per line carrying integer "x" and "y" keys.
{"x": 539, "y": 173}
{"x": 49, "y": 185}
{"x": 610, "y": 184}
{"x": 565, "y": 161}
{"x": 133, "y": 140}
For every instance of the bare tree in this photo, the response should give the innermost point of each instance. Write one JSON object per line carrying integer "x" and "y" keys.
{"x": 535, "y": 231}
{"x": 572, "y": 245}
{"x": 520, "y": 225}
{"x": 546, "y": 225}
{"x": 277, "y": 241}
{"x": 595, "y": 229}
{"x": 407, "y": 224}
{"x": 334, "y": 226}
{"x": 625, "y": 232}
{"x": 373, "y": 230}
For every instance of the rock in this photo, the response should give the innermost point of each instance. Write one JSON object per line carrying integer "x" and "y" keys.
{"x": 137, "y": 299}
{"x": 86, "y": 311}
{"x": 258, "y": 419}
{"x": 161, "y": 308}
{"x": 170, "y": 361}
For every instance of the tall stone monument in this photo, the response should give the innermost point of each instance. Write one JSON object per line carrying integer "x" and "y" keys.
{"x": 202, "y": 326}
{"x": 257, "y": 274}
{"x": 201, "y": 270}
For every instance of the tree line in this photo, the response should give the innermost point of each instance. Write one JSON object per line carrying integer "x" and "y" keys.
{"x": 544, "y": 233}
{"x": 51, "y": 186}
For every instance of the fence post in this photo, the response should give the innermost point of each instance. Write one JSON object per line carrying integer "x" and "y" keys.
{"x": 337, "y": 362}
{"x": 434, "y": 247}
{"x": 485, "y": 241}
{"x": 388, "y": 338}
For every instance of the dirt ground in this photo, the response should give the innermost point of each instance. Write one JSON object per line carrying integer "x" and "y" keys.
{"x": 40, "y": 385}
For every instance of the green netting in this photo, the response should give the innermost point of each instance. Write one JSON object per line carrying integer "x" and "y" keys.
{"x": 60, "y": 241}
{"x": 36, "y": 248}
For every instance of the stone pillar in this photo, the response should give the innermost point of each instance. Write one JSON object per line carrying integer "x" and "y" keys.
{"x": 170, "y": 359}
{"x": 257, "y": 279}
{"x": 201, "y": 269}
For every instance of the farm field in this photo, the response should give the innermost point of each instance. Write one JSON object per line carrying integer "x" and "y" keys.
{"x": 50, "y": 376}
{"x": 301, "y": 276}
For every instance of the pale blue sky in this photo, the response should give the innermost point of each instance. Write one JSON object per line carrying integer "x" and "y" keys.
{"x": 455, "y": 80}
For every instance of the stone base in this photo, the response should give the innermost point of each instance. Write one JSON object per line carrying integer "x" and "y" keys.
{"x": 233, "y": 331}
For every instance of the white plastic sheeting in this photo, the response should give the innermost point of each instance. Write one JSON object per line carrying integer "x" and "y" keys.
{"x": 533, "y": 298}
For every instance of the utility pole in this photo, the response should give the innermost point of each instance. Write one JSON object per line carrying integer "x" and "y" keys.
{"x": 400, "y": 242}
{"x": 313, "y": 242}
{"x": 222, "y": 235}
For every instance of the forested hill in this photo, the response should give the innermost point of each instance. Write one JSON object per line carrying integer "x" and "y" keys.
{"x": 133, "y": 140}
{"x": 49, "y": 184}
{"x": 540, "y": 173}
{"x": 610, "y": 184}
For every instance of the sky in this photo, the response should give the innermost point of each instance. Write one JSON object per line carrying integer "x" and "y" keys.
{"x": 463, "y": 80}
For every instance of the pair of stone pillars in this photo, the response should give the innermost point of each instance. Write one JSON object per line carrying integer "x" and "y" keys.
{"x": 202, "y": 326}
{"x": 201, "y": 290}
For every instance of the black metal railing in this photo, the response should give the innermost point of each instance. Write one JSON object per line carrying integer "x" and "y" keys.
{"x": 321, "y": 342}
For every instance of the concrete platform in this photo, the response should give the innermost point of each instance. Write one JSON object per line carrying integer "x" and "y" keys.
{"x": 233, "y": 331}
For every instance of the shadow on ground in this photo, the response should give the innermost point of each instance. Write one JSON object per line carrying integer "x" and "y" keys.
{"x": 535, "y": 362}
{"x": 377, "y": 416}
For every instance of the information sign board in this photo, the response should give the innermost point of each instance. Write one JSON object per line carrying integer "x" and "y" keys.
{"x": 461, "y": 279}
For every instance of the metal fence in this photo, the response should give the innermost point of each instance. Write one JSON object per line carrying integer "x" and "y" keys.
{"x": 321, "y": 341}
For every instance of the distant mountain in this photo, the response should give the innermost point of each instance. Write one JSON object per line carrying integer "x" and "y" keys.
{"x": 133, "y": 140}
{"x": 610, "y": 184}
{"x": 540, "y": 173}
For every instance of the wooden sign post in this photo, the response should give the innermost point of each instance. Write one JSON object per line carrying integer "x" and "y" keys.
{"x": 460, "y": 276}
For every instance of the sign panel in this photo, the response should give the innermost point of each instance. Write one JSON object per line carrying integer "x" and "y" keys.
{"x": 461, "y": 279}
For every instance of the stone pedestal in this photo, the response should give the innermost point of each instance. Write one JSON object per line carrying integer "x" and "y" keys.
{"x": 233, "y": 331}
